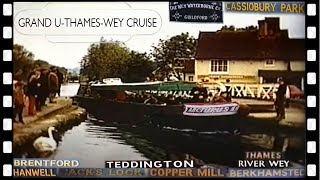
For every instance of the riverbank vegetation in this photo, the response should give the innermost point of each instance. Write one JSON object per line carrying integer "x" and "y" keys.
{"x": 24, "y": 62}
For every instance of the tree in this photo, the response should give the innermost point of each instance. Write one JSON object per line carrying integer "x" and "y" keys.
{"x": 42, "y": 63}
{"x": 46, "y": 65}
{"x": 139, "y": 66}
{"x": 84, "y": 63}
{"x": 179, "y": 46}
{"x": 247, "y": 29}
{"x": 63, "y": 70}
{"x": 22, "y": 61}
{"x": 226, "y": 28}
{"x": 105, "y": 59}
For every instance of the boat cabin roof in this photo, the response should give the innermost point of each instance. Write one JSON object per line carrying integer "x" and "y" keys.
{"x": 155, "y": 86}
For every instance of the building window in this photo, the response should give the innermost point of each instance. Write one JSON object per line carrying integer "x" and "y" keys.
{"x": 190, "y": 78}
{"x": 219, "y": 66}
{"x": 270, "y": 62}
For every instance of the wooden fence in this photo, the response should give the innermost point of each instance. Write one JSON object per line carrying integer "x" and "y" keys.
{"x": 256, "y": 91}
{"x": 259, "y": 91}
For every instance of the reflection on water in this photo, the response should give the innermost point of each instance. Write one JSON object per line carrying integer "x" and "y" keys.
{"x": 92, "y": 144}
{"x": 95, "y": 141}
{"x": 69, "y": 90}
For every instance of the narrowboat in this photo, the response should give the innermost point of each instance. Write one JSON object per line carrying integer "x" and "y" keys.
{"x": 102, "y": 100}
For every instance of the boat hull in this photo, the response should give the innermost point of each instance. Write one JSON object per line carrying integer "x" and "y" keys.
{"x": 155, "y": 115}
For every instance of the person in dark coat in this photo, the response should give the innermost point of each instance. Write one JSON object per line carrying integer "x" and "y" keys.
{"x": 33, "y": 72}
{"x": 32, "y": 93}
{"x": 280, "y": 100}
{"x": 43, "y": 87}
{"x": 60, "y": 78}
{"x": 228, "y": 96}
{"x": 53, "y": 84}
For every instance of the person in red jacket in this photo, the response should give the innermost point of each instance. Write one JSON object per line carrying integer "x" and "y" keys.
{"x": 19, "y": 101}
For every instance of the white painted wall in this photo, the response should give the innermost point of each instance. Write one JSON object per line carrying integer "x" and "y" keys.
{"x": 248, "y": 67}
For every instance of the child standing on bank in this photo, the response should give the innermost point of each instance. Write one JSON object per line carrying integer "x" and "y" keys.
{"x": 19, "y": 101}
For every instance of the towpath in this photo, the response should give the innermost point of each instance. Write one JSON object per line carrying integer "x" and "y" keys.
{"x": 263, "y": 116}
{"x": 61, "y": 115}
{"x": 48, "y": 109}
{"x": 295, "y": 115}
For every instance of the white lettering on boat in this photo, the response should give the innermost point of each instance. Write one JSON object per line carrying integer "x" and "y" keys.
{"x": 211, "y": 109}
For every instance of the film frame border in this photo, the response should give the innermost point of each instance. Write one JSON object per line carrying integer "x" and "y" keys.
{"x": 6, "y": 87}
{"x": 311, "y": 87}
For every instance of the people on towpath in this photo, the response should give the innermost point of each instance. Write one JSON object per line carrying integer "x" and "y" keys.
{"x": 41, "y": 84}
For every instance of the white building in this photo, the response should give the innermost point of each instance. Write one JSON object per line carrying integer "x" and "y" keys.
{"x": 259, "y": 56}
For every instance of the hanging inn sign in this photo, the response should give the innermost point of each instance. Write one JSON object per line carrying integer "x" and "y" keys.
{"x": 196, "y": 11}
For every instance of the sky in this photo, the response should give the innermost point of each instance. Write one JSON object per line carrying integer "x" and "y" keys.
{"x": 67, "y": 51}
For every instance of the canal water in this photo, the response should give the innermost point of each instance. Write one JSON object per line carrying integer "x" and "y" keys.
{"x": 97, "y": 140}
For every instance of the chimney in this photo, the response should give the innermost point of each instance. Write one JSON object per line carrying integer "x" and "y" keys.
{"x": 273, "y": 25}
{"x": 263, "y": 28}
{"x": 269, "y": 26}
{"x": 273, "y": 20}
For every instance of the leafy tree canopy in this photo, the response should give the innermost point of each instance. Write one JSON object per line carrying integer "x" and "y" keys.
{"x": 226, "y": 28}
{"x": 24, "y": 63}
{"x": 178, "y": 46}
{"x": 110, "y": 59}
